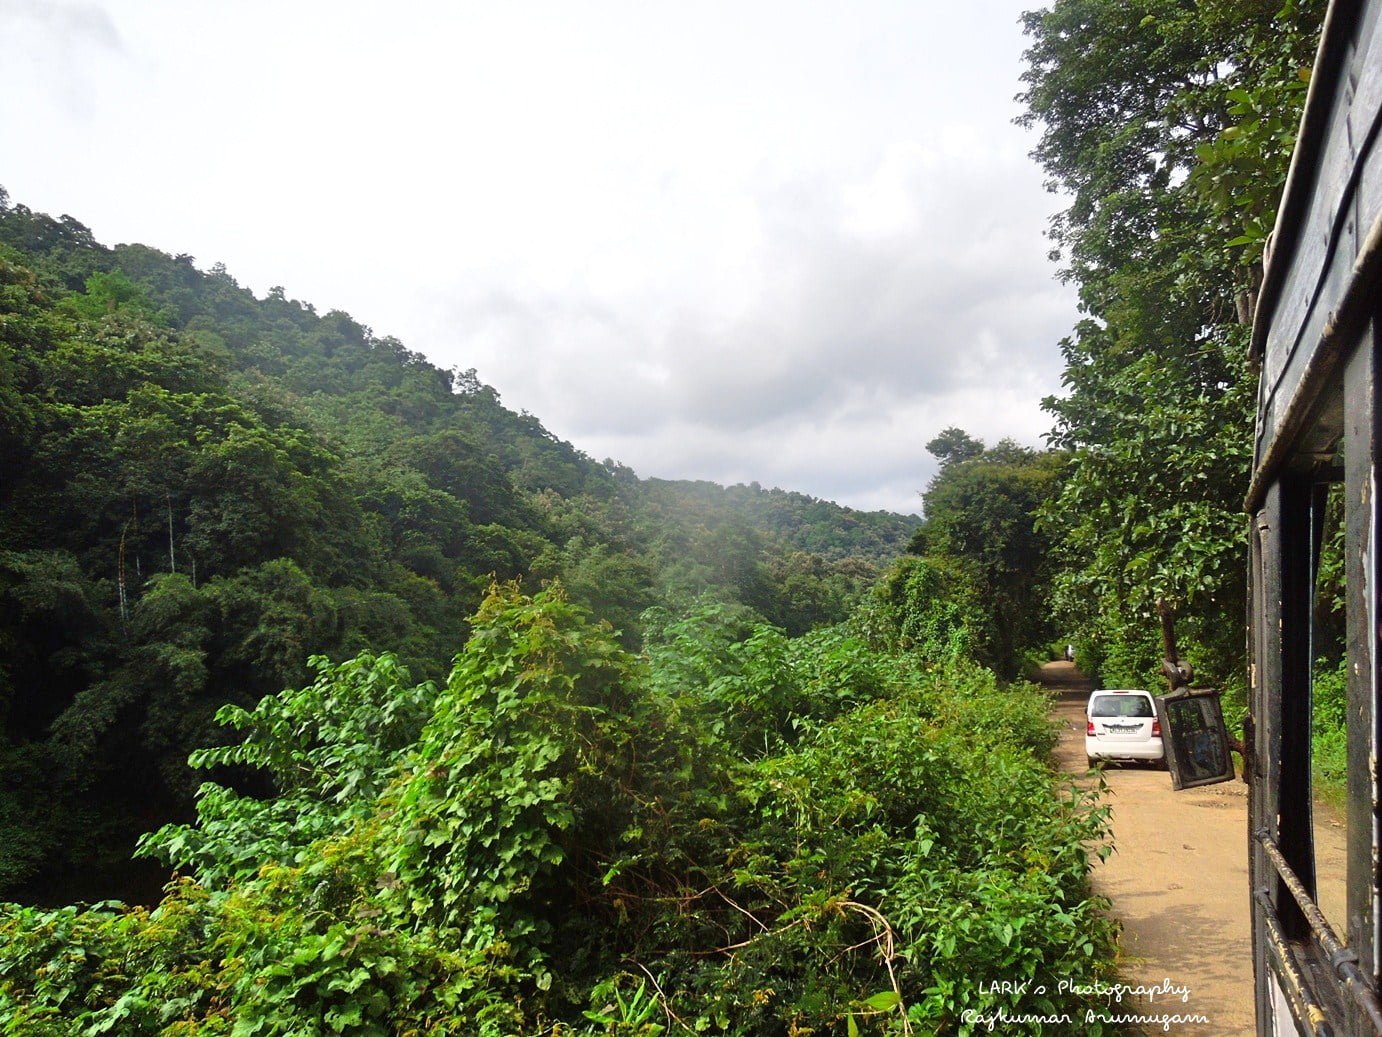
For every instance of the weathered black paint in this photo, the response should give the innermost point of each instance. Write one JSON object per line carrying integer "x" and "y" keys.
{"x": 1316, "y": 337}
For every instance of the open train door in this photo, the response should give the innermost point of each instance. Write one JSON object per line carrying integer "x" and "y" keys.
{"x": 1316, "y": 336}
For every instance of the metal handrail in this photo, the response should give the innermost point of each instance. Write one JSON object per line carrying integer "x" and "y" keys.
{"x": 1343, "y": 960}
{"x": 1294, "y": 984}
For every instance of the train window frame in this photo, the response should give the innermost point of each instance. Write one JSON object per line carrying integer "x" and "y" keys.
{"x": 1317, "y": 338}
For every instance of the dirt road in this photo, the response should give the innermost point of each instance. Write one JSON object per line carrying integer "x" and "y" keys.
{"x": 1178, "y": 881}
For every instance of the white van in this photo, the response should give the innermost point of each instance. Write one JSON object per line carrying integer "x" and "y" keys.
{"x": 1122, "y": 725}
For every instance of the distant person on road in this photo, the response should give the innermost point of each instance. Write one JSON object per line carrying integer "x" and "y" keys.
{"x": 1070, "y": 653}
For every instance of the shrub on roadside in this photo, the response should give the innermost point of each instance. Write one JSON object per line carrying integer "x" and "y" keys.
{"x": 567, "y": 847}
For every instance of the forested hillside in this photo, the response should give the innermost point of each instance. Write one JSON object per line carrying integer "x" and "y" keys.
{"x": 200, "y": 488}
{"x": 801, "y": 522}
{"x": 700, "y": 771}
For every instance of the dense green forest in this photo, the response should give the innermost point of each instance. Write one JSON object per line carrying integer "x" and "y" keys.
{"x": 1171, "y": 128}
{"x": 736, "y": 833}
{"x": 440, "y": 726}
{"x": 702, "y": 768}
{"x": 201, "y": 489}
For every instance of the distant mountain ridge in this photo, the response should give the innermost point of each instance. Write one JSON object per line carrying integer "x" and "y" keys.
{"x": 805, "y": 523}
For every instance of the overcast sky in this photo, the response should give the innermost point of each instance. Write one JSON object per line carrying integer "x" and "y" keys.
{"x": 783, "y": 242}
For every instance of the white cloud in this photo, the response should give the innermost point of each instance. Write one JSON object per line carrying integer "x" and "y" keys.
{"x": 58, "y": 49}
{"x": 774, "y": 242}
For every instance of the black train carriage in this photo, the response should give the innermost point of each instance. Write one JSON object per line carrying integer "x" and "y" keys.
{"x": 1319, "y": 433}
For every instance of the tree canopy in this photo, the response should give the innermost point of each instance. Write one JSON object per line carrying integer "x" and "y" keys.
{"x": 1170, "y": 126}
{"x": 981, "y": 527}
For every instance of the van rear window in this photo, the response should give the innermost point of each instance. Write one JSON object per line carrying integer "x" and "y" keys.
{"x": 1122, "y": 706}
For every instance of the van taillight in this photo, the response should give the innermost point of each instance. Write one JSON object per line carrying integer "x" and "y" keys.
{"x": 1156, "y": 728}
{"x": 1089, "y": 728}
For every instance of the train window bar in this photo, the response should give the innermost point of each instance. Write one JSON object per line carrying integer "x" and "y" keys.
{"x": 1343, "y": 960}
{"x": 1293, "y": 982}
